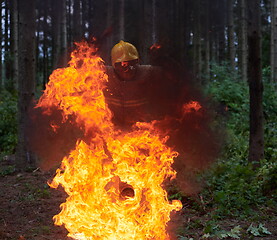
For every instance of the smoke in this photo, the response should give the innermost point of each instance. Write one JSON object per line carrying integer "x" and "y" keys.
{"x": 51, "y": 136}
{"x": 191, "y": 133}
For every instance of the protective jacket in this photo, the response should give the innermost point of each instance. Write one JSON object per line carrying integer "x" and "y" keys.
{"x": 135, "y": 100}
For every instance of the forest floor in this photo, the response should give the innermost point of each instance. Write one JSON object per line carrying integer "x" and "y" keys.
{"x": 28, "y": 206}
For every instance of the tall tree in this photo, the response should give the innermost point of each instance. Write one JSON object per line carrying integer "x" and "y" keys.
{"x": 109, "y": 24}
{"x": 63, "y": 38}
{"x": 59, "y": 33}
{"x": 45, "y": 42}
{"x": 102, "y": 21}
{"x": 14, "y": 42}
{"x": 207, "y": 43}
{"x": 242, "y": 39}
{"x": 77, "y": 21}
{"x": 231, "y": 34}
{"x": 7, "y": 55}
{"x": 221, "y": 25}
{"x": 256, "y": 139}
{"x": 1, "y": 36}
{"x": 122, "y": 19}
{"x": 154, "y": 21}
{"x": 26, "y": 83}
{"x": 273, "y": 45}
{"x": 197, "y": 57}
{"x": 146, "y": 28}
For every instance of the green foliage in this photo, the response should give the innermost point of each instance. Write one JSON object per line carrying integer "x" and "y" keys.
{"x": 33, "y": 193}
{"x": 212, "y": 231}
{"x": 236, "y": 187}
{"x": 258, "y": 231}
{"x": 7, "y": 170}
{"x": 270, "y": 126}
{"x": 8, "y": 122}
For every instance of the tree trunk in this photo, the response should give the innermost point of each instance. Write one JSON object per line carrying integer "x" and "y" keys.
{"x": 77, "y": 23}
{"x": 221, "y": 8}
{"x": 69, "y": 19}
{"x": 273, "y": 47}
{"x": 243, "y": 40}
{"x": 216, "y": 29}
{"x": 59, "y": 34}
{"x": 14, "y": 41}
{"x": 197, "y": 60}
{"x": 63, "y": 35}
{"x": 56, "y": 25}
{"x": 207, "y": 41}
{"x": 45, "y": 62}
{"x": 154, "y": 21}
{"x": 256, "y": 140}
{"x": 231, "y": 36}
{"x": 7, "y": 59}
{"x": 1, "y": 39}
{"x": 26, "y": 83}
{"x": 122, "y": 19}
{"x": 146, "y": 29}
{"x": 102, "y": 20}
{"x": 183, "y": 32}
{"x": 109, "y": 24}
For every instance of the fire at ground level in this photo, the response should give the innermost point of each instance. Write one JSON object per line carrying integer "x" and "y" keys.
{"x": 28, "y": 205}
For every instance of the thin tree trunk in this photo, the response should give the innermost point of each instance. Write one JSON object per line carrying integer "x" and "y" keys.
{"x": 146, "y": 28}
{"x": 243, "y": 51}
{"x": 122, "y": 19}
{"x": 63, "y": 38}
{"x": 56, "y": 25}
{"x": 182, "y": 32}
{"x": 91, "y": 13}
{"x": 77, "y": 22}
{"x": 7, "y": 58}
{"x": 45, "y": 46}
{"x": 69, "y": 9}
{"x": 273, "y": 47}
{"x": 197, "y": 62}
{"x": 256, "y": 140}
{"x": 207, "y": 41}
{"x": 26, "y": 83}
{"x": 231, "y": 36}
{"x": 221, "y": 35}
{"x": 154, "y": 21}
{"x": 14, "y": 41}
{"x": 109, "y": 24}
{"x": 85, "y": 9}
{"x": 1, "y": 63}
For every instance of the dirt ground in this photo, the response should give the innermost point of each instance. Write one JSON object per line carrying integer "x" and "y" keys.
{"x": 28, "y": 205}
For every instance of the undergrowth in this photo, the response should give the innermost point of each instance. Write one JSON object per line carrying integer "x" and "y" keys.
{"x": 8, "y": 122}
{"x": 233, "y": 188}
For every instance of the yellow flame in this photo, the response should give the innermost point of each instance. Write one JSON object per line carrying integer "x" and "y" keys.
{"x": 114, "y": 181}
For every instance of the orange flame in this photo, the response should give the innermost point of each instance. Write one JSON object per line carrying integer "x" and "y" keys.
{"x": 155, "y": 46}
{"x": 114, "y": 180}
{"x": 192, "y": 106}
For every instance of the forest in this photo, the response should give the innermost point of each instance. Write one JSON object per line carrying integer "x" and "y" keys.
{"x": 224, "y": 53}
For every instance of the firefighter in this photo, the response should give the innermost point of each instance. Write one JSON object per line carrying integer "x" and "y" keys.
{"x": 134, "y": 92}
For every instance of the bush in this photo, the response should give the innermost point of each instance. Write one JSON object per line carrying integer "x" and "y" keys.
{"x": 235, "y": 186}
{"x": 8, "y": 122}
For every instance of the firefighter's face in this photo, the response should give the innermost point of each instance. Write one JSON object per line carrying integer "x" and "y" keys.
{"x": 126, "y": 70}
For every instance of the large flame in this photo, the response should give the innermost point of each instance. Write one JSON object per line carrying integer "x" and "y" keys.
{"x": 113, "y": 179}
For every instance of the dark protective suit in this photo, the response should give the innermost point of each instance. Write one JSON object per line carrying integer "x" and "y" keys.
{"x": 142, "y": 99}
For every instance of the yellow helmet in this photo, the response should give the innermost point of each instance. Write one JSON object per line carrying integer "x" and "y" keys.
{"x": 123, "y": 51}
